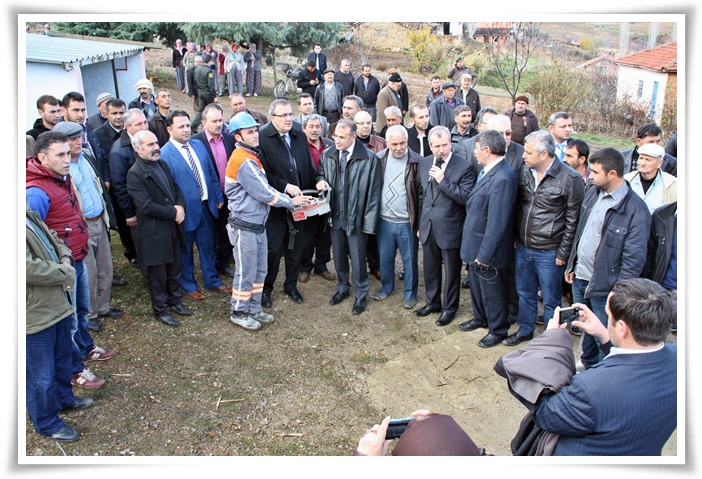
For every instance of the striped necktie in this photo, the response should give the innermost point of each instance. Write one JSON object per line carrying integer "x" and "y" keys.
{"x": 480, "y": 176}
{"x": 196, "y": 172}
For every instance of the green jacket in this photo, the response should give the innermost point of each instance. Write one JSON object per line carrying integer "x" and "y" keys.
{"x": 204, "y": 79}
{"x": 48, "y": 282}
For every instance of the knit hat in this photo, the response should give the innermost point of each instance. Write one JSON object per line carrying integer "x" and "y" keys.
{"x": 144, "y": 83}
{"x": 103, "y": 97}
{"x": 395, "y": 77}
{"x": 69, "y": 128}
{"x": 522, "y": 98}
{"x": 649, "y": 149}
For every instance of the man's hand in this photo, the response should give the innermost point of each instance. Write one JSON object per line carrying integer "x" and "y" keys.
{"x": 322, "y": 185}
{"x": 219, "y": 205}
{"x": 569, "y": 277}
{"x": 131, "y": 221}
{"x": 293, "y": 190}
{"x": 374, "y": 442}
{"x": 436, "y": 173}
{"x": 477, "y": 261}
{"x": 180, "y": 214}
{"x": 560, "y": 262}
{"x": 555, "y": 321}
{"x": 590, "y": 323}
{"x": 422, "y": 414}
{"x": 301, "y": 200}
{"x": 107, "y": 185}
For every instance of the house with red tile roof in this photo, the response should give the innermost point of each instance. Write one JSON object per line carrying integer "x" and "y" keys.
{"x": 648, "y": 77}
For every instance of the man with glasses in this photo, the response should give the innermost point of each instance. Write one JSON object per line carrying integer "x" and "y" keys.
{"x": 351, "y": 174}
{"x": 288, "y": 164}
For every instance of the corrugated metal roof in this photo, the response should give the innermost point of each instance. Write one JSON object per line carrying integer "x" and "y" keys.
{"x": 662, "y": 59}
{"x": 71, "y": 51}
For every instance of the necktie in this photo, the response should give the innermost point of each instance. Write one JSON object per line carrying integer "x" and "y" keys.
{"x": 342, "y": 168}
{"x": 291, "y": 158}
{"x": 434, "y": 183}
{"x": 196, "y": 172}
{"x": 480, "y": 176}
{"x": 561, "y": 152}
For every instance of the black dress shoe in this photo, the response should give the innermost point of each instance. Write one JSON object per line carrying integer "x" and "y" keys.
{"x": 65, "y": 434}
{"x": 490, "y": 340}
{"x": 112, "y": 314}
{"x": 338, "y": 298}
{"x": 180, "y": 309}
{"x": 266, "y": 300}
{"x": 228, "y": 271}
{"x": 78, "y": 404}
{"x": 295, "y": 296}
{"x": 169, "y": 320}
{"x": 445, "y": 318}
{"x": 359, "y": 306}
{"x": 93, "y": 325}
{"x": 466, "y": 283}
{"x": 516, "y": 338}
{"x": 472, "y": 325}
{"x": 118, "y": 280}
{"x": 134, "y": 262}
{"x": 426, "y": 310}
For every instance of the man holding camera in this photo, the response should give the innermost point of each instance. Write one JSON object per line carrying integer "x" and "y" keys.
{"x": 626, "y": 405}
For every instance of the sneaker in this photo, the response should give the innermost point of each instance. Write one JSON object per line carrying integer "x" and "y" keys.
{"x": 409, "y": 303}
{"x": 255, "y": 94}
{"x": 262, "y": 317}
{"x": 87, "y": 379}
{"x": 673, "y": 327}
{"x": 93, "y": 325}
{"x": 245, "y": 321}
{"x": 540, "y": 319}
{"x": 381, "y": 295}
{"x": 579, "y": 367}
{"x": 98, "y": 354}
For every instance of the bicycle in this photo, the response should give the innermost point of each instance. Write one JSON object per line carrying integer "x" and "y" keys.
{"x": 289, "y": 84}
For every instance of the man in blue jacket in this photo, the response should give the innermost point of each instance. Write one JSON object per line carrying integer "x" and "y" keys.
{"x": 610, "y": 242}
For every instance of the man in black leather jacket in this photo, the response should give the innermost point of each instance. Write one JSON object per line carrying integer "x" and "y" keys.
{"x": 548, "y": 208}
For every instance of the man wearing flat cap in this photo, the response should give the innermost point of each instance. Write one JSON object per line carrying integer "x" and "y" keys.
{"x": 100, "y": 118}
{"x": 650, "y": 182}
{"x": 328, "y": 97}
{"x": 459, "y": 68}
{"x": 145, "y": 101}
{"x": 388, "y": 96}
{"x": 441, "y": 109}
{"x": 524, "y": 121}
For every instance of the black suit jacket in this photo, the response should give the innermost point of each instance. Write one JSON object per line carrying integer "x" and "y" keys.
{"x": 228, "y": 147}
{"x": 514, "y": 156}
{"x": 488, "y": 229}
{"x": 107, "y": 136}
{"x": 322, "y": 60}
{"x": 279, "y": 171}
{"x": 445, "y": 211}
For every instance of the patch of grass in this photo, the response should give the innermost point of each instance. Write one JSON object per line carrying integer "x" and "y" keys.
{"x": 604, "y": 141}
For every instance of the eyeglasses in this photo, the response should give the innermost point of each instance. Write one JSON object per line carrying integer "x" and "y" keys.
{"x": 284, "y": 115}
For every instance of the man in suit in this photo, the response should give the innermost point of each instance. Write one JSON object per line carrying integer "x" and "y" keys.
{"x": 514, "y": 151}
{"x": 560, "y": 125}
{"x": 488, "y": 246}
{"x": 627, "y": 405}
{"x": 318, "y": 59}
{"x": 109, "y": 132}
{"x": 417, "y": 138}
{"x": 160, "y": 210}
{"x": 445, "y": 181}
{"x": 350, "y": 173}
{"x": 194, "y": 174}
{"x": 219, "y": 146}
{"x": 288, "y": 164}
{"x": 305, "y": 104}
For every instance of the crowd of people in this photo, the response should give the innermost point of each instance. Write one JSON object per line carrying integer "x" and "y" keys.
{"x": 531, "y": 213}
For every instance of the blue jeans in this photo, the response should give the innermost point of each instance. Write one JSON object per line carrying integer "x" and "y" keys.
{"x": 49, "y": 371}
{"x": 392, "y": 236}
{"x": 591, "y": 346}
{"x": 80, "y": 296}
{"x": 536, "y": 268}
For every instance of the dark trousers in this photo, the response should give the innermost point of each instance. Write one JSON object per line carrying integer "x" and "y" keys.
{"x": 318, "y": 245}
{"x": 223, "y": 246}
{"x": 133, "y": 234}
{"x": 125, "y": 237}
{"x": 164, "y": 282}
{"x": 278, "y": 235}
{"x": 433, "y": 256}
{"x": 488, "y": 292}
{"x": 331, "y": 116}
{"x": 354, "y": 247}
{"x": 204, "y": 101}
{"x": 372, "y": 254}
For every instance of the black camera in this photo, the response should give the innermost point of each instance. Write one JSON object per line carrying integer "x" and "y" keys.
{"x": 568, "y": 315}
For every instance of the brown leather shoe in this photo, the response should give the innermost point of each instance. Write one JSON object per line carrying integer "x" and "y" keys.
{"x": 376, "y": 274}
{"x": 222, "y": 289}
{"x": 303, "y": 277}
{"x": 328, "y": 275}
{"x": 196, "y": 294}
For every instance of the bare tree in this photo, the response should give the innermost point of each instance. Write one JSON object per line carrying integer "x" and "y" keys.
{"x": 624, "y": 39}
{"x": 653, "y": 34}
{"x": 470, "y": 28}
{"x": 509, "y": 47}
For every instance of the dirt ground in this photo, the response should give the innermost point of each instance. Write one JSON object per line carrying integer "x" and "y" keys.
{"x": 310, "y": 384}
